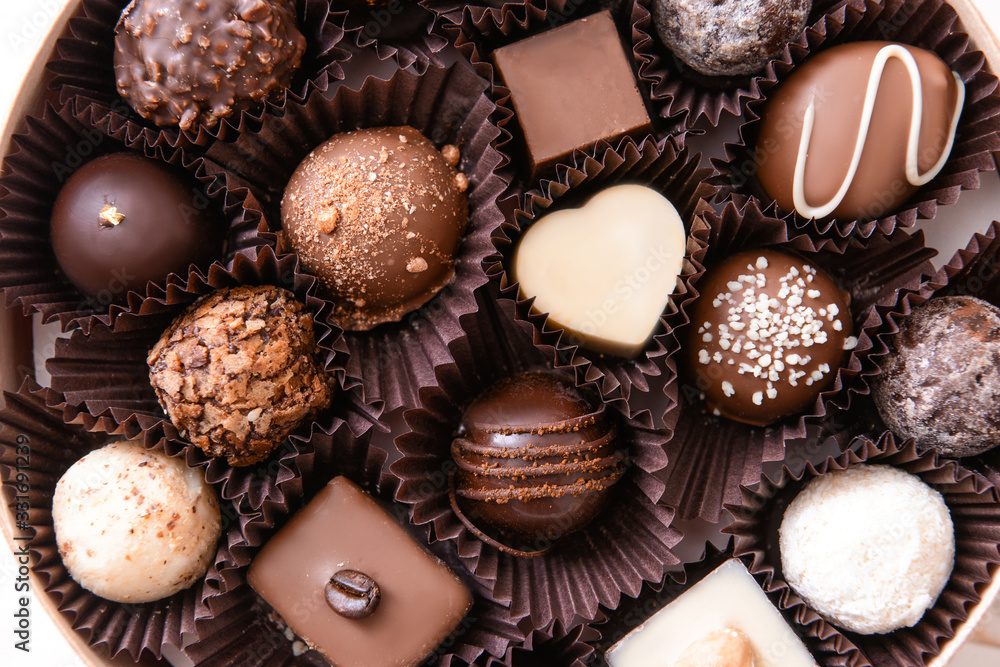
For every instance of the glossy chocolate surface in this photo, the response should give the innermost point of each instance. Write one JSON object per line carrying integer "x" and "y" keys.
{"x": 377, "y": 215}
{"x": 570, "y": 88}
{"x": 123, "y": 220}
{"x": 830, "y": 91}
{"x": 188, "y": 63}
{"x": 768, "y": 334}
{"x": 536, "y": 460}
{"x": 342, "y": 528}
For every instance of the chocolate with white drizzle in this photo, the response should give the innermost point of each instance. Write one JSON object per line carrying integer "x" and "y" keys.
{"x": 769, "y": 333}
{"x": 857, "y": 129}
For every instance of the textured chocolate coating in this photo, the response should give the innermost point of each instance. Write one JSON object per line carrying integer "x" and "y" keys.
{"x": 421, "y": 600}
{"x": 768, "y": 335}
{"x": 123, "y": 220}
{"x": 191, "y": 62}
{"x": 729, "y": 37}
{"x": 834, "y": 82}
{"x": 536, "y": 461}
{"x": 570, "y": 88}
{"x": 941, "y": 383}
{"x": 237, "y": 372}
{"x": 377, "y": 215}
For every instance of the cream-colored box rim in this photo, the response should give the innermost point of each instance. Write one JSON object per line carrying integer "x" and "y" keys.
{"x": 981, "y": 18}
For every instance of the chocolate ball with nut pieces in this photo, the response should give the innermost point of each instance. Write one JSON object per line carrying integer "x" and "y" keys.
{"x": 189, "y": 63}
{"x": 940, "y": 384}
{"x": 123, "y": 220}
{"x": 377, "y": 215}
{"x": 237, "y": 372}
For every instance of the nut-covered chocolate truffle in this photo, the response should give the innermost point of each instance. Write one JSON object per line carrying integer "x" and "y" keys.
{"x": 191, "y": 62}
{"x": 729, "y": 37}
{"x": 134, "y": 525}
{"x": 769, "y": 332}
{"x": 940, "y": 384}
{"x": 377, "y": 215}
{"x": 869, "y": 548}
{"x": 237, "y": 372}
{"x": 536, "y": 460}
{"x": 123, "y": 220}
{"x": 854, "y": 131}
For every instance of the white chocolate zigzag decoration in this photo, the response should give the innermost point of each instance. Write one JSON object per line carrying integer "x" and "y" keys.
{"x": 913, "y": 174}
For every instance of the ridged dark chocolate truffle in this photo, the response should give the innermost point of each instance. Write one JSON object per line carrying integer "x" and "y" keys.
{"x": 729, "y": 37}
{"x": 123, "y": 220}
{"x": 940, "y": 385}
{"x": 768, "y": 333}
{"x": 377, "y": 215}
{"x": 536, "y": 460}
{"x": 191, "y": 62}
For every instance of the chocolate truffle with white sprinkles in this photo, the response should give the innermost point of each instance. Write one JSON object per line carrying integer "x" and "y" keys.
{"x": 769, "y": 333}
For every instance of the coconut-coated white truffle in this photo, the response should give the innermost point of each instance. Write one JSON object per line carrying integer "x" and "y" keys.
{"x": 135, "y": 525}
{"x": 869, "y": 548}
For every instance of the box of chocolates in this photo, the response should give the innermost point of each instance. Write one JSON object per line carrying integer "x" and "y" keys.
{"x": 545, "y": 332}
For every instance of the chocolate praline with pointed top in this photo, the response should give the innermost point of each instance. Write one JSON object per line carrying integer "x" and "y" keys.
{"x": 124, "y": 220}
{"x": 536, "y": 461}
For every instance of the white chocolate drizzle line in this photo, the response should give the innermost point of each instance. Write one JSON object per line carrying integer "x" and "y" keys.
{"x": 913, "y": 174}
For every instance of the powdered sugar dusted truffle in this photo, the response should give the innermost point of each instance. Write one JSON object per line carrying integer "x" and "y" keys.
{"x": 729, "y": 37}
{"x": 134, "y": 525}
{"x": 769, "y": 333}
{"x": 869, "y": 548}
{"x": 941, "y": 383}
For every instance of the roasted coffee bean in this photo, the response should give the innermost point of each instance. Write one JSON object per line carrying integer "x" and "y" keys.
{"x": 353, "y": 594}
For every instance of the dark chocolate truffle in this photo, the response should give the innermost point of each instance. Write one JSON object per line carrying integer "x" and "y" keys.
{"x": 768, "y": 334}
{"x": 191, "y": 62}
{"x": 377, "y": 215}
{"x": 729, "y": 37}
{"x": 940, "y": 384}
{"x": 536, "y": 461}
{"x": 237, "y": 372}
{"x": 834, "y": 148}
{"x": 123, "y": 220}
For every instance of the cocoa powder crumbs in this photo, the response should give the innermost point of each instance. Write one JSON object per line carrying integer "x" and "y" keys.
{"x": 237, "y": 372}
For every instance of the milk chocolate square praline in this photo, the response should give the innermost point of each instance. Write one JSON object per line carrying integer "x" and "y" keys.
{"x": 420, "y": 599}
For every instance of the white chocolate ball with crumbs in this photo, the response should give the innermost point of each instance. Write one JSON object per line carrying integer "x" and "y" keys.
{"x": 869, "y": 548}
{"x": 135, "y": 525}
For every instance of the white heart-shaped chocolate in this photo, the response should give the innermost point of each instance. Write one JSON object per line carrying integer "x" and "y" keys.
{"x": 604, "y": 272}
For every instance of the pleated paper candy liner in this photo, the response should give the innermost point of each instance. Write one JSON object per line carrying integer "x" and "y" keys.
{"x": 82, "y": 69}
{"x": 930, "y": 24}
{"x": 401, "y": 30}
{"x": 446, "y": 104}
{"x": 676, "y": 90}
{"x": 53, "y": 146}
{"x": 555, "y": 646}
{"x": 488, "y": 16}
{"x": 105, "y": 379}
{"x": 662, "y": 165}
{"x": 629, "y": 543}
{"x": 28, "y": 424}
{"x": 711, "y": 457}
{"x": 479, "y": 32}
{"x": 974, "y": 504}
{"x": 973, "y": 271}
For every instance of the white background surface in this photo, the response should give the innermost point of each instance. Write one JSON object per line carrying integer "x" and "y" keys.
{"x": 24, "y": 23}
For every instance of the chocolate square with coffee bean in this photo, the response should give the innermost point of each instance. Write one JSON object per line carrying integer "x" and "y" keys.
{"x": 350, "y": 582}
{"x": 570, "y": 88}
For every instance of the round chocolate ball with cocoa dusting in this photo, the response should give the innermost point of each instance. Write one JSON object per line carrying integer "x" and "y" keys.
{"x": 728, "y": 37}
{"x": 377, "y": 215}
{"x": 940, "y": 385}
